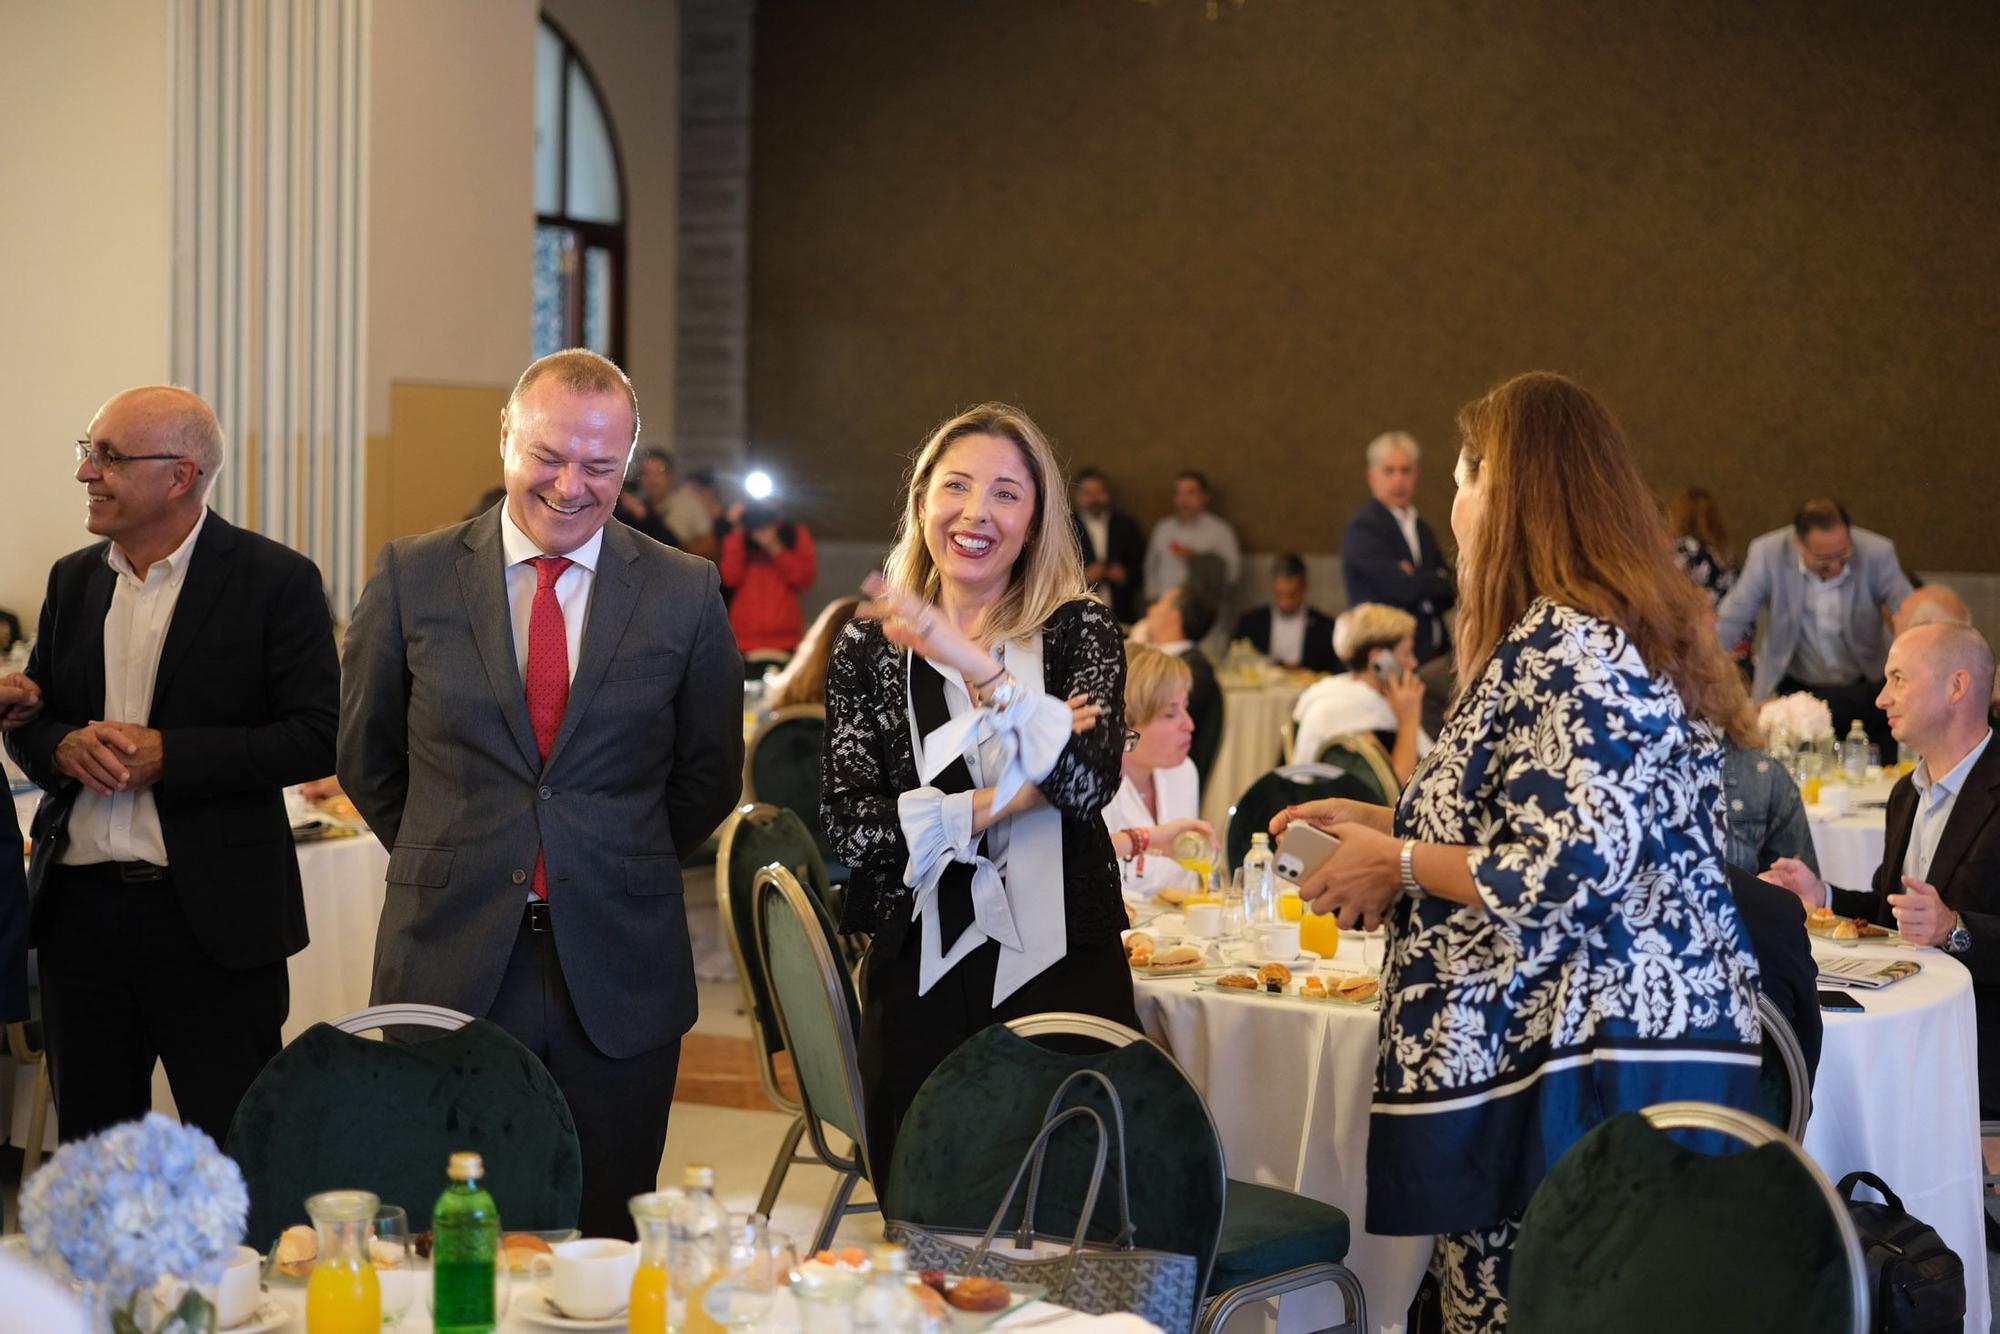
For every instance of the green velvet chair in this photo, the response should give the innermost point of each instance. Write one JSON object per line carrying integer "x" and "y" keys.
{"x": 1635, "y": 1232}
{"x": 819, "y": 1022}
{"x": 1250, "y": 1242}
{"x": 756, "y": 836}
{"x": 27, "y": 1044}
{"x": 1784, "y": 1089}
{"x": 334, "y": 1109}
{"x": 1288, "y": 785}
{"x": 782, "y": 767}
{"x": 1360, "y": 755}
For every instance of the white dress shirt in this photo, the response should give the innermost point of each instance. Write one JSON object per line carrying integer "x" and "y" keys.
{"x": 1098, "y": 526}
{"x": 1176, "y": 796}
{"x": 1206, "y": 533}
{"x": 1822, "y": 657}
{"x": 1935, "y": 798}
{"x": 125, "y": 826}
{"x": 1288, "y": 637}
{"x": 572, "y": 588}
{"x": 1406, "y": 519}
{"x": 1339, "y": 706}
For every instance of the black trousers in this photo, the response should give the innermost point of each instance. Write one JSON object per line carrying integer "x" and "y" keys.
{"x": 124, "y": 983}
{"x": 1855, "y": 700}
{"x": 904, "y": 1036}
{"x": 620, "y": 1104}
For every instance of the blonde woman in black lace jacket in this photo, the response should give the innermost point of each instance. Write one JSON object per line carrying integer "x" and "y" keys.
{"x": 974, "y": 718}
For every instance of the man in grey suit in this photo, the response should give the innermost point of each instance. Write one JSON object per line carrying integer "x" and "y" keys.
{"x": 539, "y": 716}
{"x": 1828, "y": 587}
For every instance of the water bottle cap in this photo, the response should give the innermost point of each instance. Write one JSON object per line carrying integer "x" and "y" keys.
{"x": 1259, "y": 839}
{"x": 698, "y": 1176}
{"x": 888, "y": 1257}
{"x": 466, "y": 1167}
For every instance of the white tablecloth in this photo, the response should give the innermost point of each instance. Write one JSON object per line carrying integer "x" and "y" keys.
{"x": 1849, "y": 844}
{"x": 1897, "y": 1093}
{"x": 1289, "y": 1084}
{"x": 1254, "y": 719}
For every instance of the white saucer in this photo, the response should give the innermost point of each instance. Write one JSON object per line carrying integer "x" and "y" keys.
{"x": 270, "y": 1314}
{"x": 538, "y": 1309}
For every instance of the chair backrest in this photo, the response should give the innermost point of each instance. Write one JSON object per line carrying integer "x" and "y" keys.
{"x": 1359, "y": 755}
{"x": 337, "y": 1110}
{"x": 781, "y": 766}
{"x": 1784, "y": 1090}
{"x": 1282, "y": 787}
{"x": 402, "y": 1016}
{"x": 1636, "y": 1232}
{"x": 818, "y": 1016}
{"x": 968, "y": 1127}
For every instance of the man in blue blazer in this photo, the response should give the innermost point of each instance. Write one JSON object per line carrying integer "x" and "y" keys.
{"x": 1390, "y": 555}
{"x": 1827, "y": 588}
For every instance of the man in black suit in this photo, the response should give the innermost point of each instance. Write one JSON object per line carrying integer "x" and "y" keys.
{"x": 1939, "y": 882}
{"x": 1175, "y": 624}
{"x": 1786, "y": 973}
{"x": 188, "y": 675}
{"x": 1390, "y": 555}
{"x": 1285, "y": 629}
{"x": 1114, "y": 550}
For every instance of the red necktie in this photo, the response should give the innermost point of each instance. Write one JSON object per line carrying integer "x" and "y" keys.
{"x": 548, "y": 673}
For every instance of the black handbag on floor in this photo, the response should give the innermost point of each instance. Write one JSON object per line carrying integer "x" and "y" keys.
{"x": 1915, "y": 1281}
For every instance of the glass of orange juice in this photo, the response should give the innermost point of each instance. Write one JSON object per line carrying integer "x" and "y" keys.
{"x": 343, "y": 1295}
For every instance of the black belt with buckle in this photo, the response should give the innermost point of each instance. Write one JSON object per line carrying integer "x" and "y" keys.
{"x": 115, "y": 873}
{"x": 537, "y": 917}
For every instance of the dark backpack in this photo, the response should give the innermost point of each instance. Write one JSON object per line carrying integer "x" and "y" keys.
{"x": 1916, "y": 1283}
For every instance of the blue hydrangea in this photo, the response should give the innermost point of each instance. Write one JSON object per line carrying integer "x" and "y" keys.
{"x": 138, "y": 1202}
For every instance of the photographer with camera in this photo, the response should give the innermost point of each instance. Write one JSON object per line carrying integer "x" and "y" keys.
{"x": 766, "y": 562}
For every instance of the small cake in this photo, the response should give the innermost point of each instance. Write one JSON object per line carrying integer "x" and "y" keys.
{"x": 1314, "y": 987}
{"x": 1138, "y": 949}
{"x": 979, "y": 1294}
{"x": 297, "y": 1248}
{"x": 1820, "y": 917}
{"x": 1240, "y": 980}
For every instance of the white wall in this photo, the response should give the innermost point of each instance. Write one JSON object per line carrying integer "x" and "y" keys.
{"x": 83, "y": 253}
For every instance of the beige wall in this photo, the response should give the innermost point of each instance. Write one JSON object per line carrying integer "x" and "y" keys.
{"x": 83, "y": 253}
{"x": 633, "y": 47}
{"x": 450, "y": 246}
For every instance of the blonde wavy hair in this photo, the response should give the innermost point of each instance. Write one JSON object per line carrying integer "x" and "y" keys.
{"x": 1368, "y": 626}
{"x": 1151, "y": 678}
{"x": 1049, "y": 570}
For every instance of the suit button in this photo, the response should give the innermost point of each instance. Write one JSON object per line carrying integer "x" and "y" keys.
{"x": 519, "y": 877}
{"x": 546, "y": 793}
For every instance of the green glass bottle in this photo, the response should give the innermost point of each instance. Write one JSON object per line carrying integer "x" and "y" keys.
{"x": 465, "y": 1249}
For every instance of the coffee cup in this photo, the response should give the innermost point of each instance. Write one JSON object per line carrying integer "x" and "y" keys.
{"x": 1834, "y": 799}
{"x": 588, "y": 1279}
{"x": 241, "y": 1291}
{"x": 1277, "y": 940}
{"x": 1204, "y": 920}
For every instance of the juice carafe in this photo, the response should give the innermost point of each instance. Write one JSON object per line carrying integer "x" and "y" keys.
{"x": 652, "y": 1213}
{"x": 696, "y": 1239}
{"x": 342, "y": 1296}
{"x": 465, "y": 1250}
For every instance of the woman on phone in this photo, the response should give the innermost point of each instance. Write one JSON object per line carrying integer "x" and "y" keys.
{"x": 1561, "y": 940}
{"x": 975, "y": 710}
{"x": 1159, "y": 793}
{"x": 1379, "y": 693}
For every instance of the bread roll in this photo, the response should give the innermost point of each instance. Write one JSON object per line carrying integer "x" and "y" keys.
{"x": 1177, "y": 956}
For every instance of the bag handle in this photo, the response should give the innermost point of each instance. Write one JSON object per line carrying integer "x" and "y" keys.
{"x": 1845, "y": 1190}
{"x": 1024, "y": 1236}
{"x": 1033, "y": 1158}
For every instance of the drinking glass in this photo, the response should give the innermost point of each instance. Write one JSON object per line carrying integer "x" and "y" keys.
{"x": 394, "y": 1261}
{"x": 755, "y": 1261}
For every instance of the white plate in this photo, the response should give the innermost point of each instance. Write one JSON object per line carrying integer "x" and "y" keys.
{"x": 536, "y": 1307}
{"x": 270, "y": 1314}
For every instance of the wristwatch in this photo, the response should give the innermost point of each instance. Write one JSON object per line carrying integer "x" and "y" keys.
{"x": 1960, "y": 940}
{"x": 1409, "y": 876}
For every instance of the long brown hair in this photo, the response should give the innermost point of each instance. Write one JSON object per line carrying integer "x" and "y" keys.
{"x": 1693, "y": 513}
{"x": 1049, "y": 570}
{"x": 803, "y": 679}
{"x": 1568, "y": 517}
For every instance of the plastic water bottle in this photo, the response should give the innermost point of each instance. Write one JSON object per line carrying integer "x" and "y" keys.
{"x": 886, "y": 1305}
{"x": 465, "y": 1248}
{"x": 1854, "y": 753}
{"x": 1260, "y": 881}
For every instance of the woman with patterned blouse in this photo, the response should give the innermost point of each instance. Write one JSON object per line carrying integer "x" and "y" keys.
{"x": 1701, "y": 543}
{"x": 1561, "y": 940}
{"x": 975, "y": 712}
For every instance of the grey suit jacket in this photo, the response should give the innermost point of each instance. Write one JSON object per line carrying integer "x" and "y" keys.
{"x": 1771, "y": 581}
{"x": 437, "y": 752}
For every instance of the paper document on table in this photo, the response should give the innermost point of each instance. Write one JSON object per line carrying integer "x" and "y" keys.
{"x": 1868, "y": 973}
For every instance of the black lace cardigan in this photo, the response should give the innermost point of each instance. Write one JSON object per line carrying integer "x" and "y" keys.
{"x": 869, "y": 761}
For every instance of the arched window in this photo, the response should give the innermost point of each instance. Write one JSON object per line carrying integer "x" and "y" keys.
{"x": 579, "y": 206}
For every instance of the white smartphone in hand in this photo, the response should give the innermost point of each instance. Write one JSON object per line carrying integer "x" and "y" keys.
{"x": 1301, "y": 849}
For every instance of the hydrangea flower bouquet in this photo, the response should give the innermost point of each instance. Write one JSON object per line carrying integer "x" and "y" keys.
{"x": 139, "y": 1202}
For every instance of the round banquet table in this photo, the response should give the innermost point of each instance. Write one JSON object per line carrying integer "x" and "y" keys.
{"x": 1255, "y": 718}
{"x": 1289, "y": 1083}
{"x": 1849, "y": 844}
{"x": 1897, "y": 1093}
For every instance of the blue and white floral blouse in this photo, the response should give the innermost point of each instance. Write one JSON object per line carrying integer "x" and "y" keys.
{"x": 1604, "y": 967}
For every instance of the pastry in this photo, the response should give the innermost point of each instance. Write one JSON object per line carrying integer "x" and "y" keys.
{"x": 1314, "y": 986}
{"x": 979, "y": 1294}
{"x": 931, "y": 1298}
{"x": 1845, "y": 929}
{"x": 1821, "y": 917}
{"x": 296, "y": 1250}
{"x": 1177, "y": 956}
{"x": 1242, "y": 980}
{"x": 1274, "y": 972}
{"x": 385, "y": 1254}
{"x": 1870, "y": 931}
{"x": 1174, "y": 898}
{"x": 1356, "y": 988}
{"x": 521, "y": 1249}
{"x": 1138, "y": 949}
